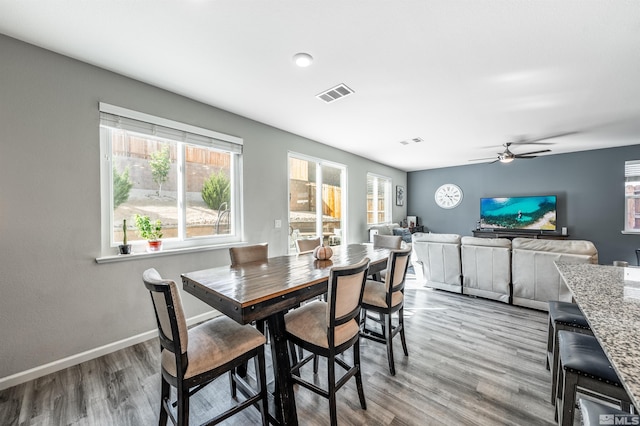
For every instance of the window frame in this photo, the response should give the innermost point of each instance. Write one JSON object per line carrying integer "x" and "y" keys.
{"x": 631, "y": 174}
{"x": 193, "y": 136}
{"x": 320, "y": 164}
{"x": 387, "y": 200}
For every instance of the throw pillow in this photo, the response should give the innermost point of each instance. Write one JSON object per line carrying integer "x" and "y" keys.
{"x": 404, "y": 233}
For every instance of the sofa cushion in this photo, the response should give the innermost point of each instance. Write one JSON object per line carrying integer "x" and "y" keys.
{"x": 437, "y": 238}
{"x": 438, "y": 257}
{"x": 534, "y": 276}
{"x": 384, "y": 229}
{"x": 577, "y": 247}
{"x": 486, "y": 242}
{"x": 486, "y": 267}
{"x": 404, "y": 233}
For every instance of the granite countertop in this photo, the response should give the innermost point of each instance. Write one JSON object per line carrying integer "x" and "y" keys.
{"x": 613, "y": 314}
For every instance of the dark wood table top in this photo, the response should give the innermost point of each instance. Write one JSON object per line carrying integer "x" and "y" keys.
{"x": 258, "y": 289}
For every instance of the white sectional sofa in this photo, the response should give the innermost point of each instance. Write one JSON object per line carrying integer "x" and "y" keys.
{"x": 486, "y": 267}
{"x": 521, "y": 272}
{"x": 535, "y": 279}
{"x": 436, "y": 258}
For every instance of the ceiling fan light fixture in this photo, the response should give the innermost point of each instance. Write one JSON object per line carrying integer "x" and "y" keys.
{"x": 506, "y": 158}
{"x": 302, "y": 59}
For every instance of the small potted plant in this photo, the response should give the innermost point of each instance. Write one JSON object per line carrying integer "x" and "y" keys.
{"x": 124, "y": 247}
{"x": 150, "y": 231}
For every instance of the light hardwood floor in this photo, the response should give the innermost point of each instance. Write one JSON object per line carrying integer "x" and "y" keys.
{"x": 471, "y": 362}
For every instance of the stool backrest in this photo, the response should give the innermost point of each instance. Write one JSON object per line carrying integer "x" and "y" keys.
{"x": 387, "y": 241}
{"x": 344, "y": 295}
{"x": 397, "y": 266}
{"x": 306, "y": 245}
{"x": 246, "y": 254}
{"x": 172, "y": 325}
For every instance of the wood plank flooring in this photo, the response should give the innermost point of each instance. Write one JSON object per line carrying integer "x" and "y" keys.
{"x": 471, "y": 362}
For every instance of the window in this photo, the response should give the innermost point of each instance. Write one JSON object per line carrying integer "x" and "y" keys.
{"x": 632, "y": 196}
{"x": 316, "y": 200}
{"x": 378, "y": 199}
{"x": 186, "y": 177}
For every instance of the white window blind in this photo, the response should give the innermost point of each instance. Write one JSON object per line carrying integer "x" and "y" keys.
{"x": 632, "y": 171}
{"x": 146, "y": 124}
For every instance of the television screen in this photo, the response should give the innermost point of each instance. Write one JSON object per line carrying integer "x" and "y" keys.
{"x": 524, "y": 213}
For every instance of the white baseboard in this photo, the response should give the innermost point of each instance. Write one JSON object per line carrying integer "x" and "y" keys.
{"x": 61, "y": 364}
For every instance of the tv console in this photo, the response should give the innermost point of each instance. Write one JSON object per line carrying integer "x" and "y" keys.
{"x": 545, "y": 235}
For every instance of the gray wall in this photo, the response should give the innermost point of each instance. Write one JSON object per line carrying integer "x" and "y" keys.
{"x": 589, "y": 186}
{"x": 56, "y": 301}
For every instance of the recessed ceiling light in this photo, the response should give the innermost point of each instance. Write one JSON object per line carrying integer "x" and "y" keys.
{"x": 302, "y": 59}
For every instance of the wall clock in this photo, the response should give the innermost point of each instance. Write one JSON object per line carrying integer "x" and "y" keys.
{"x": 448, "y": 196}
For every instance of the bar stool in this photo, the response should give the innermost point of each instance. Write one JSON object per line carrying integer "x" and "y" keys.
{"x": 583, "y": 364}
{"x": 562, "y": 316}
{"x": 591, "y": 411}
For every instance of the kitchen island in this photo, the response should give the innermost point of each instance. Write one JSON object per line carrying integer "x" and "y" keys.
{"x": 612, "y": 308}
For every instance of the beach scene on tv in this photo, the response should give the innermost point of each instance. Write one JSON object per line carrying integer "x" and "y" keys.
{"x": 528, "y": 213}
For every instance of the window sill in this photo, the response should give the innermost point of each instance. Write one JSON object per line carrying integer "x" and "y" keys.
{"x": 167, "y": 252}
{"x": 631, "y": 232}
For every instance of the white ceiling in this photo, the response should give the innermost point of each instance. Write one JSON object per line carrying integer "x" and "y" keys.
{"x": 465, "y": 76}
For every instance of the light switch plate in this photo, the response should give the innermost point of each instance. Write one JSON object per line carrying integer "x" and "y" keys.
{"x": 631, "y": 274}
{"x": 278, "y": 223}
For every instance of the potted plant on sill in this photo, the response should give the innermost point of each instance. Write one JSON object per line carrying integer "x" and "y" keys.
{"x": 150, "y": 231}
{"x": 124, "y": 247}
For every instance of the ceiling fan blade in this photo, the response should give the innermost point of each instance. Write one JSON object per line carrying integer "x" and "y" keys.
{"x": 532, "y": 143}
{"x": 532, "y": 152}
{"x": 484, "y": 159}
{"x": 536, "y": 140}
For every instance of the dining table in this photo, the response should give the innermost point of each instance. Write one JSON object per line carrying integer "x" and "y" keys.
{"x": 611, "y": 306}
{"x": 266, "y": 290}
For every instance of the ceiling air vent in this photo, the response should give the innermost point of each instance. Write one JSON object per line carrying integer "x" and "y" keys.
{"x": 335, "y": 93}
{"x": 412, "y": 140}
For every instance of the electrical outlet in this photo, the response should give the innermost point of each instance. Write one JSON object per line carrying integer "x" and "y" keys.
{"x": 278, "y": 223}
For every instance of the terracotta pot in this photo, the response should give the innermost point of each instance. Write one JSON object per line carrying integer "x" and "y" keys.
{"x": 154, "y": 245}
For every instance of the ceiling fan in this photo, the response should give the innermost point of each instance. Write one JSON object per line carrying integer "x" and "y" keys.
{"x": 507, "y": 156}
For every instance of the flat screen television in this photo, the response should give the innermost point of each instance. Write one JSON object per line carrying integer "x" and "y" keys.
{"x": 536, "y": 213}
